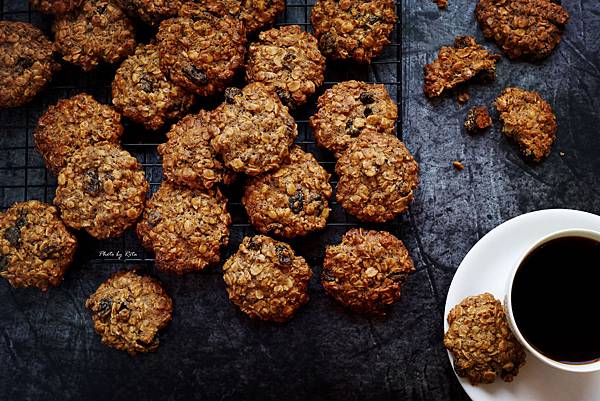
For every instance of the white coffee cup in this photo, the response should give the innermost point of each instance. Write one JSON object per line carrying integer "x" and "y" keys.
{"x": 586, "y": 367}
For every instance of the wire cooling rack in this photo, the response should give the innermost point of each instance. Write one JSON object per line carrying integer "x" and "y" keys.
{"x": 23, "y": 175}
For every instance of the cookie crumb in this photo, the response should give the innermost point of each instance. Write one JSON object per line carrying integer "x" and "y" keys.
{"x": 561, "y": 153}
{"x": 458, "y": 165}
{"x": 442, "y": 4}
{"x": 463, "y": 95}
{"x": 478, "y": 119}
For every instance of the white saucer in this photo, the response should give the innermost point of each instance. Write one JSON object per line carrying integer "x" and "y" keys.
{"x": 485, "y": 269}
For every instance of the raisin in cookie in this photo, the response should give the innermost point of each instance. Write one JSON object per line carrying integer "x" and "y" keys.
{"x": 26, "y": 64}
{"x": 73, "y": 124}
{"x": 201, "y": 51}
{"x": 377, "y": 176}
{"x": 366, "y": 270}
{"x": 142, "y": 92}
{"x": 151, "y": 11}
{"x": 102, "y": 190}
{"x": 266, "y": 279}
{"x": 255, "y": 130}
{"x": 529, "y": 120}
{"x": 129, "y": 310}
{"x": 481, "y": 341}
{"x": 185, "y": 228}
{"x": 98, "y": 32}
{"x": 455, "y": 65}
{"x": 55, "y": 7}
{"x": 188, "y": 158}
{"x": 523, "y": 28}
{"x": 353, "y": 29}
{"x": 36, "y": 249}
{"x": 292, "y": 200}
{"x": 288, "y": 61}
{"x": 348, "y": 108}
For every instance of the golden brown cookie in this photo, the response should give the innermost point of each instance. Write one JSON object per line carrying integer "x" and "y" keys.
{"x": 377, "y": 177}
{"x": 288, "y": 61}
{"x": 151, "y": 11}
{"x": 142, "y": 92}
{"x": 523, "y": 28}
{"x": 73, "y": 124}
{"x": 97, "y": 32}
{"x": 55, "y": 7}
{"x": 353, "y": 29}
{"x": 366, "y": 270}
{"x": 36, "y": 249}
{"x": 292, "y": 200}
{"x": 348, "y": 108}
{"x": 266, "y": 279}
{"x": 455, "y": 65}
{"x": 188, "y": 158}
{"x": 529, "y": 120}
{"x": 255, "y": 130}
{"x": 481, "y": 342}
{"x": 129, "y": 310}
{"x": 26, "y": 64}
{"x": 185, "y": 228}
{"x": 102, "y": 190}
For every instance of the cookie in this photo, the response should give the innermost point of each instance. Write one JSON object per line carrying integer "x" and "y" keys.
{"x": 102, "y": 190}
{"x": 481, "y": 341}
{"x": 353, "y": 29}
{"x": 55, "y": 7}
{"x": 528, "y": 29}
{"x": 73, "y": 124}
{"x": 366, "y": 270}
{"x": 201, "y": 51}
{"x": 266, "y": 279}
{"x": 456, "y": 65}
{"x": 98, "y": 32}
{"x": 254, "y": 130}
{"x": 129, "y": 310}
{"x": 185, "y": 228}
{"x": 529, "y": 120}
{"x": 151, "y": 12}
{"x": 36, "y": 249}
{"x": 348, "y": 108}
{"x": 26, "y": 65}
{"x": 188, "y": 159}
{"x": 377, "y": 177}
{"x": 142, "y": 92}
{"x": 288, "y": 61}
{"x": 477, "y": 120}
{"x": 289, "y": 201}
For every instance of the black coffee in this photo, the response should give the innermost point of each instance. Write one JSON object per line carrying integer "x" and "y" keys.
{"x": 556, "y": 299}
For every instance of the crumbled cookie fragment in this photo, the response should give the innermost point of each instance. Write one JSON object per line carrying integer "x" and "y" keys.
{"x": 188, "y": 158}
{"x": 347, "y": 109}
{"x": 55, "y": 7}
{"x": 142, "y": 92}
{"x": 292, "y": 200}
{"x": 462, "y": 95}
{"x": 481, "y": 341}
{"x": 129, "y": 310}
{"x": 377, "y": 177}
{"x": 353, "y": 29}
{"x": 366, "y": 270}
{"x": 523, "y": 28}
{"x": 199, "y": 50}
{"x": 97, "y": 32}
{"x": 458, "y": 165}
{"x": 254, "y": 130}
{"x": 185, "y": 228}
{"x": 73, "y": 124}
{"x": 455, "y": 65}
{"x": 529, "y": 120}
{"x": 288, "y": 61}
{"x": 151, "y": 11}
{"x": 266, "y": 279}
{"x": 36, "y": 249}
{"x": 26, "y": 63}
{"x": 442, "y": 4}
{"x": 478, "y": 119}
{"x": 102, "y": 190}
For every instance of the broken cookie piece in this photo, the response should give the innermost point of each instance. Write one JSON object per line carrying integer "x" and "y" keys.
{"x": 478, "y": 119}
{"x": 458, "y": 64}
{"x": 529, "y": 120}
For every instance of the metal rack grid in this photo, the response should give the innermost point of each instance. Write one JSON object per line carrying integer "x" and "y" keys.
{"x": 23, "y": 175}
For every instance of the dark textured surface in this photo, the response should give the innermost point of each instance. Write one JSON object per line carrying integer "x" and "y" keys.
{"x": 211, "y": 350}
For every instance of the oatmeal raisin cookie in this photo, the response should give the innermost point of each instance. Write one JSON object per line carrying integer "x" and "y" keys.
{"x": 55, "y": 7}
{"x": 151, "y": 11}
